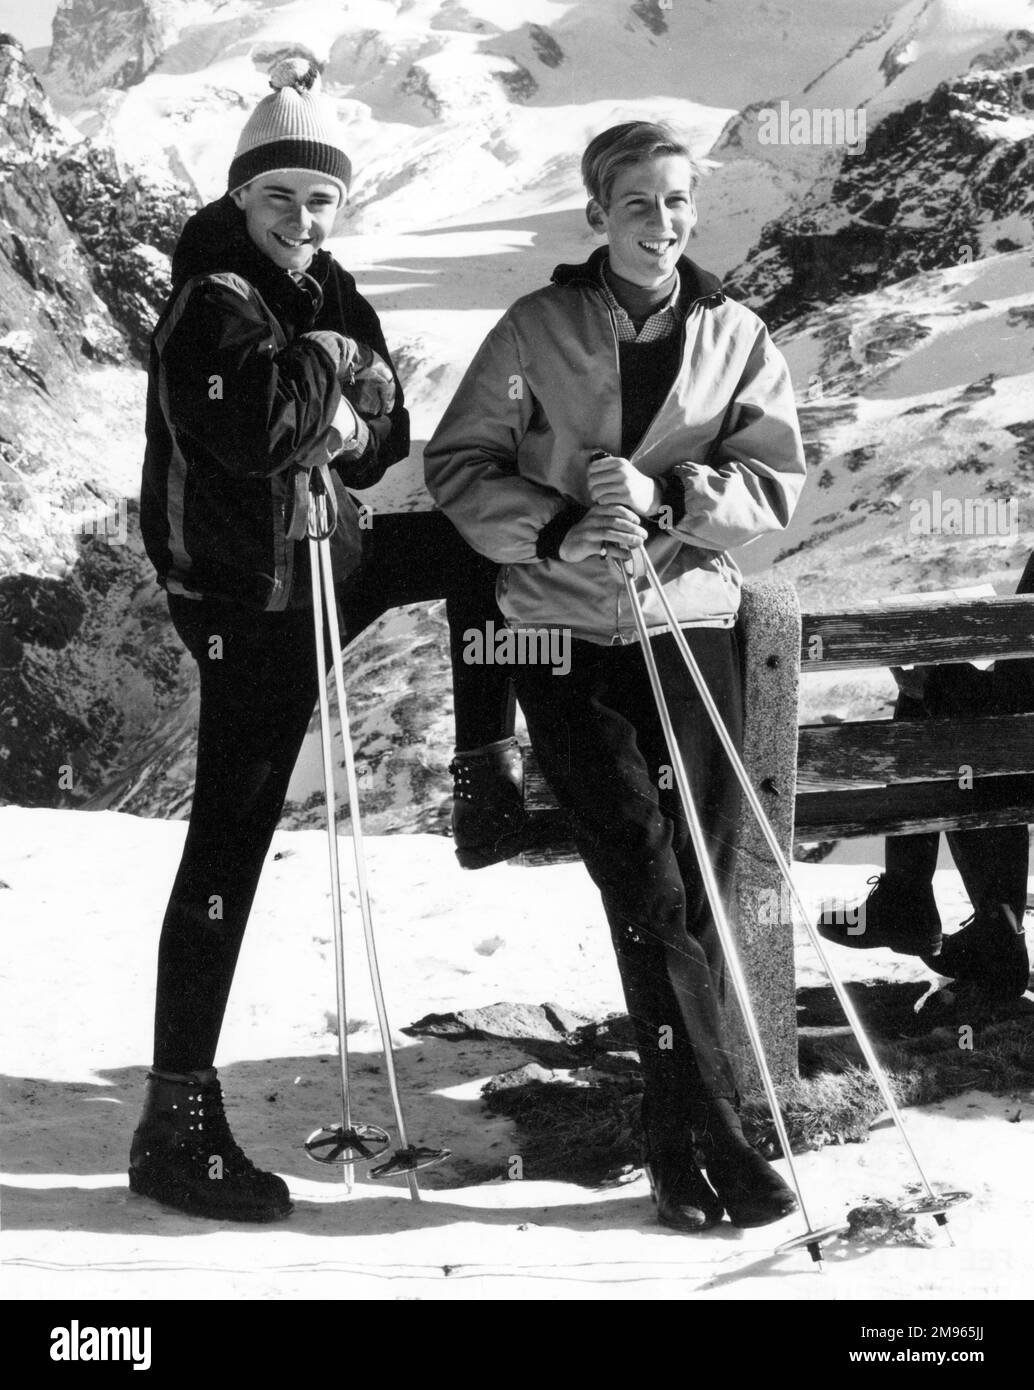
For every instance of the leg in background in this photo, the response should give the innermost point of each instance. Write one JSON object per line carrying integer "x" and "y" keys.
{"x": 414, "y": 557}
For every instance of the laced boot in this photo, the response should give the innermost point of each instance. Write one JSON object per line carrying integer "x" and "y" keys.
{"x": 748, "y": 1187}
{"x": 488, "y": 816}
{"x": 898, "y": 913}
{"x": 184, "y": 1155}
{"x": 988, "y": 955}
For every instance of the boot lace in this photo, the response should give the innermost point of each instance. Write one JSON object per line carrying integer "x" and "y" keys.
{"x": 211, "y": 1132}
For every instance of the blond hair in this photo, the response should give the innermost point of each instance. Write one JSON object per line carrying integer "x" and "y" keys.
{"x": 631, "y": 143}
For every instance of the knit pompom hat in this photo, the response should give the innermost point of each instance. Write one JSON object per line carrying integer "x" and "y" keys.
{"x": 292, "y": 129}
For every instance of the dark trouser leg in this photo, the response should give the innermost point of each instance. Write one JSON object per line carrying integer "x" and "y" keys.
{"x": 601, "y": 747}
{"x": 412, "y": 557}
{"x": 257, "y": 697}
{"x": 993, "y": 866}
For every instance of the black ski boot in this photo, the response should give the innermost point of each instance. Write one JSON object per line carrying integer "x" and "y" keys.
{"x": 184, "y": 1155}
{"x": 488, "y": 816}
{"x": 682, "y": 1195}
{"x": 748, "y": 1187}
{"x": 988, "y": 955}
{"x": 899, "y": 913}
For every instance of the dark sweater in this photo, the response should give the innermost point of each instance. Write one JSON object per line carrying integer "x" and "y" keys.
{"x": 647, "y": 373}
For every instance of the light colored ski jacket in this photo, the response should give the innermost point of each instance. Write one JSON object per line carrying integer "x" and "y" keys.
{"x": 544, "y": 392}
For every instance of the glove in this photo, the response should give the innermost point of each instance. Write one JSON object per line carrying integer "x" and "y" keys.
{"x": 341, "y": 350}
{"x": 367, "y": 383}
{"x": 365, "y": 378}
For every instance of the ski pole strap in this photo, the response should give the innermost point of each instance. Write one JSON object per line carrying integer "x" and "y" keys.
{"x": 314, "y": 504}
{"x": 298, "y": 518}
{"x": 631, "y": 561}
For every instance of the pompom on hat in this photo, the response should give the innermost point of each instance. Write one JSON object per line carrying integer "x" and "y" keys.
{"x": 292, "y": 129}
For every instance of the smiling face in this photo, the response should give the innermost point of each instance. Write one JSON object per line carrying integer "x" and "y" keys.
{"x": 649, "y": 219}
{"x": 289, "y": 214}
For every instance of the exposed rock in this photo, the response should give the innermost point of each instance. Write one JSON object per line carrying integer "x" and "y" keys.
{"x": 516, "y": 1077}
{"x": 92, "y": 676}
{"x": 129, "y": 226}
{"x": 518, "y": 81}
{"x": 547, "y": 50}
{"x": 880, "y": 1223}
{"x": 651, "y": 13}
{"x": 513, "y": 1022}
{"x": 96, "y": 681}
{"x": 38, "y": 610}
{"x": 931, "y": 189}
{"x": 417, "y": 83}
{"x": 50, "y": 318}
{"x": 113, "y": 44}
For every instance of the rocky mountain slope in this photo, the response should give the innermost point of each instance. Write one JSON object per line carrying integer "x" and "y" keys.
{"x": 945, "y": 180}
{"x": 903, "y": 302}
{"x": 87, "y": 665}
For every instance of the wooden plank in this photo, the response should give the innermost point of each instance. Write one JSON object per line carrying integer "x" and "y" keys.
{"x": 914, "y": 750}
{"x": 918, "y": 634}
{"x": 914, "y": 807}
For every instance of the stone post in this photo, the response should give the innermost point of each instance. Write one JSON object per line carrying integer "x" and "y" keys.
{"x": 769, "y": 631}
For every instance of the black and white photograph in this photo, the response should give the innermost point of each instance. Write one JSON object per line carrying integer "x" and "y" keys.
{"x": 517, "y": 663}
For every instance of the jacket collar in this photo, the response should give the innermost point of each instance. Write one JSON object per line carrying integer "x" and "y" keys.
{"x": 216, "y": 239}
{"x": 698, "y": 284}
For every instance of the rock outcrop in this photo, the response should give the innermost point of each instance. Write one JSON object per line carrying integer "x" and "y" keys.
{"x": 111, "y": 45}
{"x": 51, "y": 322}
{"x": 945, "y": 180}
{"x": 129, "y": 226}
{"x": 88, "y": 663}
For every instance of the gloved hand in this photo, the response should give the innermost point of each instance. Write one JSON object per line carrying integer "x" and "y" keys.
{"x": 340, "y": 349}
{"x": 366, "y": 380}
{"x": 367, "y": 383}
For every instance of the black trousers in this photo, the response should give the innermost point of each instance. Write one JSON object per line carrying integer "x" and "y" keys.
{"x": 992, "y": 862}
{"x": 258, "y": 691}
{"x": 601, "y": 747}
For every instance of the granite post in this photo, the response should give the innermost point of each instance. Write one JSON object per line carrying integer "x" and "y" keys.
{"x": 769, "y": 630}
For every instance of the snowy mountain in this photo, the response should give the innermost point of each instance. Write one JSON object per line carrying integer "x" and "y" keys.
{"x": 893, "y": 270}
{"x": 945, "y": 180}
{"x": 87, "y": 665}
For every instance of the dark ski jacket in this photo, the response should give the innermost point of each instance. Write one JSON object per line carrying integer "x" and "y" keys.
{"x": 239, "y": 401}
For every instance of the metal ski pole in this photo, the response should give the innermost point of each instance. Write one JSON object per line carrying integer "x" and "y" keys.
{"x": 933, "y": 1204}
{"x": 814, "y": 1236}
{"x": 407, "y": 1158}
{"x": 344, "y": 1143}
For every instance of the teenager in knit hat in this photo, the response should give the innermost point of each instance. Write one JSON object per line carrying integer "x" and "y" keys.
{"x": 292, "y": 129}
{"x": 267, "y": 365}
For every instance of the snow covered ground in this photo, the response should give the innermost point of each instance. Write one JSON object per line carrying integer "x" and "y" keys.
{"x": 466, "y": 196}
{"x": 82, "y": 901}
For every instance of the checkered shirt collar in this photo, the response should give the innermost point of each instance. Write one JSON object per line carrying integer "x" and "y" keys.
{"x": 661, "y": 323}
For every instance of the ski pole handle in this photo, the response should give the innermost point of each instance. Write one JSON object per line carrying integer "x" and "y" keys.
{"x": 626, "y": 558}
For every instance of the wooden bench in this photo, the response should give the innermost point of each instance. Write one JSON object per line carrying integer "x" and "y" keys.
{"x": 904, "y": 776}
{"x": 857, "y": 778}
